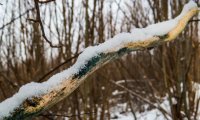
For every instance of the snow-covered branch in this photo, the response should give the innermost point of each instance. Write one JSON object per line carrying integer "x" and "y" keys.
{"x": 33, "y": 98}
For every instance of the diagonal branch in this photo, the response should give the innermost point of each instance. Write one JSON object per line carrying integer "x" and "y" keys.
{"x": 16, "y": 18}
{"x": 57, "y": 67}
{"x": 34, "y": 98}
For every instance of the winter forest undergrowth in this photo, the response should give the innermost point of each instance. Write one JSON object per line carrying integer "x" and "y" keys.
{"x": 151, "y": 84}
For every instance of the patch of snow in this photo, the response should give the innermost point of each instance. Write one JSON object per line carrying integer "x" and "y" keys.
{"x": 66, "y": 118}
{"x": 125, "y": 116}
{"x": 37, "y": 89}
{"x": 124, "y": 81}
{"x": 103, "y": 88}
{"x": 196, "y": 88}
{"x": 154, "y": 114}
{"x": 116, "y": 92}
{"x": 174, "y": 101}
{"x": 118, "y": 112}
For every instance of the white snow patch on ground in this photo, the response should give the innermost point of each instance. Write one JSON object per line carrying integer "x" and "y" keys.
{"x": 154, "y": 114}
{"x": 37, "y": 89}
{"x": 120, "y": 111}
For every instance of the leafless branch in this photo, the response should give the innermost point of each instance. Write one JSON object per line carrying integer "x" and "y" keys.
{"x": 14, "y": 19}
{"x": 32, "y": 20}
{"x": 57, "y": 67}
{"x": 38, "y": 19}
{"x": 9, "y": 81}
{"x": 42, "y": 2}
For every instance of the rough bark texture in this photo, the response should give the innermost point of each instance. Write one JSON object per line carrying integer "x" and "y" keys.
{"x": 35, "y": 105}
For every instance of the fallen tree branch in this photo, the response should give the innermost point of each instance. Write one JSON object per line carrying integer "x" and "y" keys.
{"x": 34, "y": 98}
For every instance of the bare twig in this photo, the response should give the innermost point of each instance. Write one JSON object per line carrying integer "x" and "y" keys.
{"x": 57, "y": 67}
{"x": 42, "y": 2}
{"x": 14, "y": 85}
{"x": 14, "y": 19}
{"x": 38, "y": 19}
{"x": 32, "y": 20}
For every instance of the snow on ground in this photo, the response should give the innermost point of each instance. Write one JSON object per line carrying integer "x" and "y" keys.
{"x": 118, "y": 112}
{"x": 37, "y": 89}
